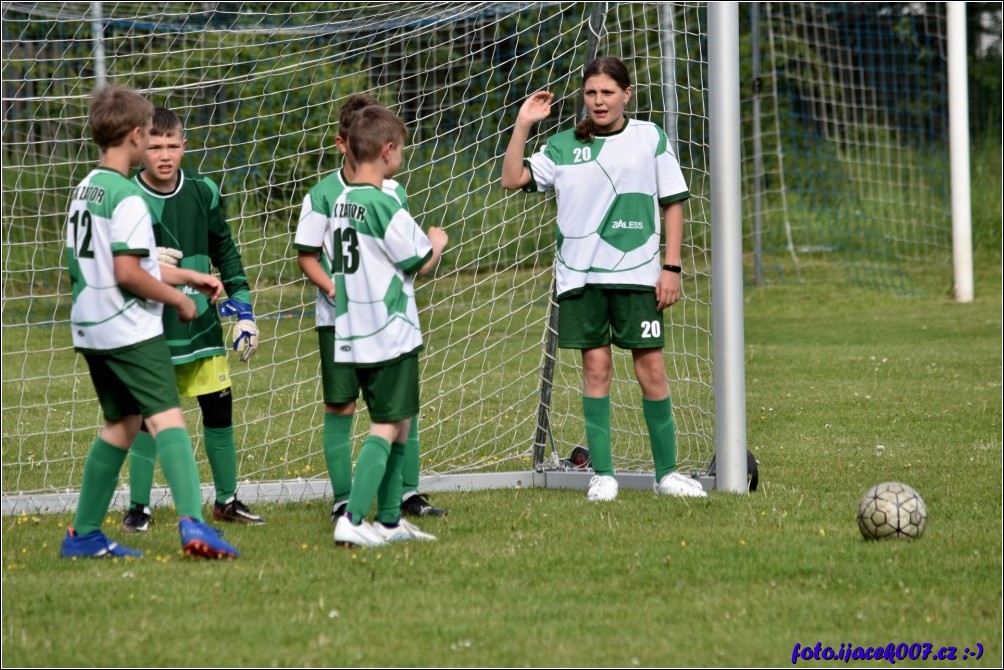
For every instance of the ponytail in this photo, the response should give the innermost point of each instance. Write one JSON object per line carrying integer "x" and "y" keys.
{"x": 585, "y": 130}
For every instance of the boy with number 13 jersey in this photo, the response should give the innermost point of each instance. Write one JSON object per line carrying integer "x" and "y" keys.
{"x": 384, "y": 325}
{"x": 373, "y": 248}
{"x": 340, "y": 390}
{"x": 318, "y": 205}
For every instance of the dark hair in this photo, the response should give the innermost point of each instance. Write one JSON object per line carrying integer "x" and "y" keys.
{"x": 371, "y": 128}
{"x": 355, "y": 102}
{"x": 114, "y": 112}
{"x": 613, "y": 68}
{"x": 166, "y": 122}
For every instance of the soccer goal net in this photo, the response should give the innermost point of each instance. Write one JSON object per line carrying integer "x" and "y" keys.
{"x": 846, "y": 169}
{"x": 258, "y": 86}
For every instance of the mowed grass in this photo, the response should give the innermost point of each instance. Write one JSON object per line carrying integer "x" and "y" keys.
{"x": 845, "y": 388}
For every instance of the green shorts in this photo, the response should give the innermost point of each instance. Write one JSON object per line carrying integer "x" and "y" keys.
{"x": 390, "y": 391}
{"x": 338, "y": 384}
{"x": 598, "y": 316}
{"x": 139, "y": 380}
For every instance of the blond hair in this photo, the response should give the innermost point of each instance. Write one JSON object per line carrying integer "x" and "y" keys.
{"x": 114, "y": 112}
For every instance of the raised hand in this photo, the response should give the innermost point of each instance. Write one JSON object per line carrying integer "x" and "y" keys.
{"x": 536, "y": 108}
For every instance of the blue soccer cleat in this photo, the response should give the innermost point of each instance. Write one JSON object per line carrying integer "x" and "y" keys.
{"x": 93, "y": 545}
{"x": 202, "y": 541}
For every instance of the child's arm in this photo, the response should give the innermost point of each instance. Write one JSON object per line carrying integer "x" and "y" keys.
{"x": 439, "y": 239}
{"x": 133, "y": 278}
{"x": 667, "y": 290}
{"x": 208, "y": 285}
{"x": 315, "y": 273}
{"x": 536, "y": 108}
{"x": 223, "y": 251}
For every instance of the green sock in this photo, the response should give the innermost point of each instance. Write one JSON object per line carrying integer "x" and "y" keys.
{"x": 597, "y": 414}
{"x": 389, "y": 493}
{"x": 174, "y": 449}
{"x": 370, "y": 468}
{"x": 337, "y": 443}
{"x": 142, "y": 456}
{"x": 222, "y": 454}
{"x": 409, "y": 470}
{"x": 101, "y": 476}
{"x": 662, "y": 433}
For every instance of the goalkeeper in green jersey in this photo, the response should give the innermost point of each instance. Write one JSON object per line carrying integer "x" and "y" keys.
{"x": 340, "y": 391}
{"x": 192, "y": 233}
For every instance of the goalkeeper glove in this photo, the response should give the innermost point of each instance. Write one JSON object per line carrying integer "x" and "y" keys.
{"x": 245, "y": 332}
{"x": 168, "y": 256}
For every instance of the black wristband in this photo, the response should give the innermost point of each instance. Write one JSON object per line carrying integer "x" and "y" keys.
{"x": 672, "y": 268}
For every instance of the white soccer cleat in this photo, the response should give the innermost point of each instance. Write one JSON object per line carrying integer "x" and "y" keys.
{"x": 675, "y": 484}
{"x": 602, "y": 487}
{"x": 402, "y": 532}
{"x": 362, "y": 535}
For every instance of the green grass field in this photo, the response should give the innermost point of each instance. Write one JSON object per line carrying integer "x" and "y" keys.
{"x": 845, "y": 388}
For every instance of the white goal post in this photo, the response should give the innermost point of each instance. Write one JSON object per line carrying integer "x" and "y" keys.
{"x": 258, "y": 86}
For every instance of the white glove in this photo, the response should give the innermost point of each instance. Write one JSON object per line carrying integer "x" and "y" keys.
{"x": 245, "y": 339}
{"x": 168, "y": 256}
{"x": 245, "y": 333}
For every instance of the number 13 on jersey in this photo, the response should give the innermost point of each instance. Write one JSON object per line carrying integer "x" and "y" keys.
{"x": 345, "y": 251}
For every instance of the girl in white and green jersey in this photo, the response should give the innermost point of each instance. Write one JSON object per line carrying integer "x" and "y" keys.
{"x": 611, "y": 176}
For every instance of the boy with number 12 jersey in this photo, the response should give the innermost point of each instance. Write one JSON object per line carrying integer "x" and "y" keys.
{"x": 118, "y": 298}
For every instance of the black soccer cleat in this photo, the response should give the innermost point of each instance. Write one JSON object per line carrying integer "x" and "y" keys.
{"x": 338, "y": 510}
{"x": 417, "y": 505}
{"x": 137, "y": 519}
{"x": 235, "y": 511}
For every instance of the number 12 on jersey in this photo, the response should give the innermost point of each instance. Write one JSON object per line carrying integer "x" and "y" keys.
{"x": 83, "y": 246}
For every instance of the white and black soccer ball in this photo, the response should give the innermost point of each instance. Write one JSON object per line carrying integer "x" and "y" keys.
{"x": 891, "y": 510}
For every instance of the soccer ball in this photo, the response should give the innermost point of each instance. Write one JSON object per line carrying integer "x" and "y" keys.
{"x": 891, "y": 510}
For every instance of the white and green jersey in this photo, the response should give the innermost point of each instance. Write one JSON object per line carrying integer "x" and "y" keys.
{"x": 609, "y": 194}
{"x": 374, "y": 248}
{"x": 108, "y": 218}
{"x": 312, "y": 227}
